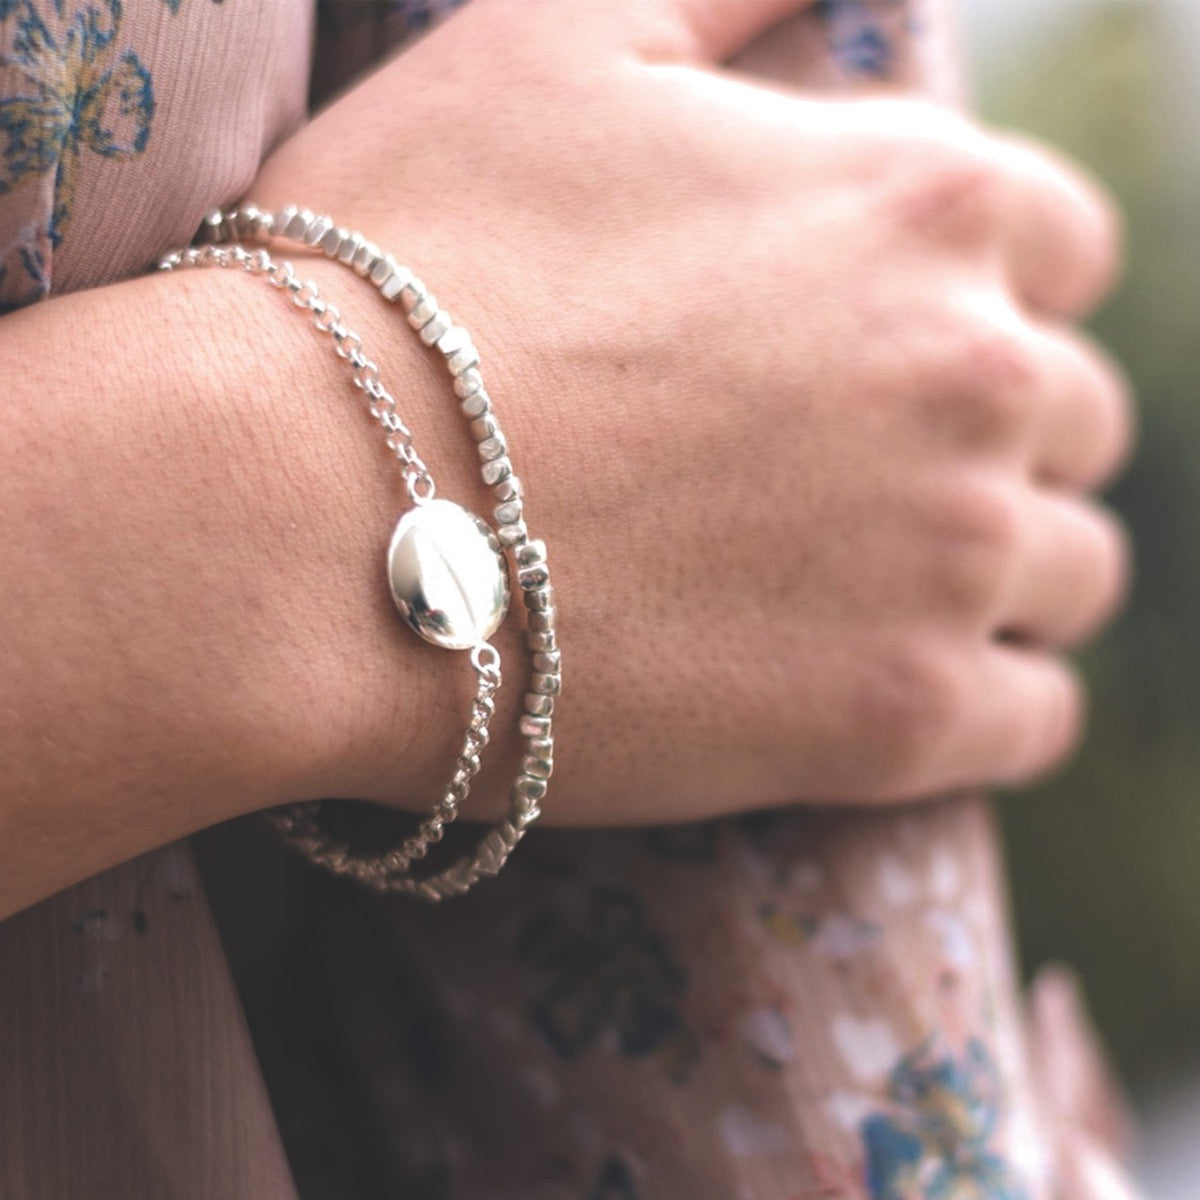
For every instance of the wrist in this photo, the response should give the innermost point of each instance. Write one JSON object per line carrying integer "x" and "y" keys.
{"x": 387, "y": 707}
{"x": 449, "y": 571}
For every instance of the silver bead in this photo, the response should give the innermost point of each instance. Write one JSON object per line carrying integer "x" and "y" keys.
{"x": 514, "y": 534}
{"x": 535, "y": 576}
{"x": 532, "y": 553}
{"x": 435, "y": 327}
{"x": 546, "y": 640}
{"x": 283, "y": 218}
{"x": 483, "y": 428}
{"x": 467, "y": 383}
{"x": 365, "y": 258}
{"x": 543, "y": 621}
{"x": 491, "y": 853}
{"x": 493, "y": 447}
{"x": 525, "y": 812}
{"x": 331, "y": 243}
{"x": 548, "y": 661}
{"x": 247, "y": 220}
{"x": 464, "y": 360}
{"x": 382, "y": 269}
{"x": 423, "y": 311}
{"x": 496, "y": 470}
{"x": 459, "y": 350}
{"x": 523, "y": 809}
{"x": 215, "y": 227}
{"x": 351, "y": 244}
{"x": 447, "y": 576}
{"x": 476, "y": 404}
{"x": 298, "y": 226}
{"x": 453, "y": 340}
{"x": 412, "y": 292}
{"x": 510, "y": 489}
{"x": 399, "y": 279}
{"x": 433, "y": 890}
{"x": 546, "y": 683}
{"x": 538, "y": 704}
{"x": 508, "y": 513}
{"x": 541, "y": 600}
{"x": 534, "y": 727}
{"x": 539, "y": 768}
{"x": 316, "y": 232}
{"x": 530, "y": 787}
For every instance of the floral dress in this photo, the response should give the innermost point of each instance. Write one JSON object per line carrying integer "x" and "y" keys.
{"x": 802, "y": 1006}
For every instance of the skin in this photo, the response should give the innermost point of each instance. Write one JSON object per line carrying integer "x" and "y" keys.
{"x": 793, "y": 385}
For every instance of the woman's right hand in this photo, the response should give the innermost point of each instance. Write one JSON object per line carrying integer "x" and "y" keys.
{"x": 794, "y": 390}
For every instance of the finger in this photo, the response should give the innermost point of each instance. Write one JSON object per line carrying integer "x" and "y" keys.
{"x": 1022, "y": 716}
{"x": 1074, "y": 1078}
{"x": 1071, "y": 572}
{"x": 1089, "y": 1172}
{"x": 1064, "y": 233}
{"x": 1084, "y": 426}
{"x": 1042, "y": 393}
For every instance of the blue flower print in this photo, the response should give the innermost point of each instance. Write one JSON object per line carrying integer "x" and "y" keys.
{"x": 175, "y": 5}
{"x": 419, "y": 15}
{"x": 24, "y": 274}
{"x": 935, "y": 1141}
{"x": 610, "y": 972}
{"x": 614, "y": 1183}
{"x": 862, "y": 33}
{"x": 75, "y": 93}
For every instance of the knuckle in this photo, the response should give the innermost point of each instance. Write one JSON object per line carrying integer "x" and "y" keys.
{"x": 996, "y": 375}
{"x": 976, "y": 534}
{"x": 947, "y": 185}
{"x": 982, "y": 518}
{"x": 911, "y": 702}
{"x": 987, "y": 516}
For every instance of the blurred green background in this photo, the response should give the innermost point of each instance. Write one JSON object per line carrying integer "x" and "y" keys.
{"x": 1106, "y": 859}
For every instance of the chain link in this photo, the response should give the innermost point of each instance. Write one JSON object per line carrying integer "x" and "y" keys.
{"x": 389, "y": 872}
{"x": 347, "y": 345}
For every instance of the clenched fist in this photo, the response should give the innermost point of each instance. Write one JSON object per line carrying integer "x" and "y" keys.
{"x": 795, "y": 391}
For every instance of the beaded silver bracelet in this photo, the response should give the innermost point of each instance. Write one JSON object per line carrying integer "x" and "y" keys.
{"x": 446, "y": 567}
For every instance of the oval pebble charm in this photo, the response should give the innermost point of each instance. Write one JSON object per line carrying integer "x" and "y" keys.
{"x": 447, "y": 575}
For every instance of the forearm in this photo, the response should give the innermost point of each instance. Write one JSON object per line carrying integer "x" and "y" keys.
{"x": 192, "y": 503}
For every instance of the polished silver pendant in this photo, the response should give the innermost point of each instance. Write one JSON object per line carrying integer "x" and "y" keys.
{"x": 447, "y": 575}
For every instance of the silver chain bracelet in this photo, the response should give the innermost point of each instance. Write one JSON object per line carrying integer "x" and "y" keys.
{"x": 446, "y": 569}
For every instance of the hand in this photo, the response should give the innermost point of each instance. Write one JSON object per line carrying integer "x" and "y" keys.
{"x": 793, "y": 389}
{"x": 1081, "y": 1101}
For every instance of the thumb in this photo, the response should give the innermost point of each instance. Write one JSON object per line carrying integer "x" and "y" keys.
{"x": 1086, "y": 1171}
{"x": 1073, "y": 1076}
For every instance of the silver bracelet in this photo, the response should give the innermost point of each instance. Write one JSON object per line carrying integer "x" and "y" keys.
{"x": 446, "y": 569}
